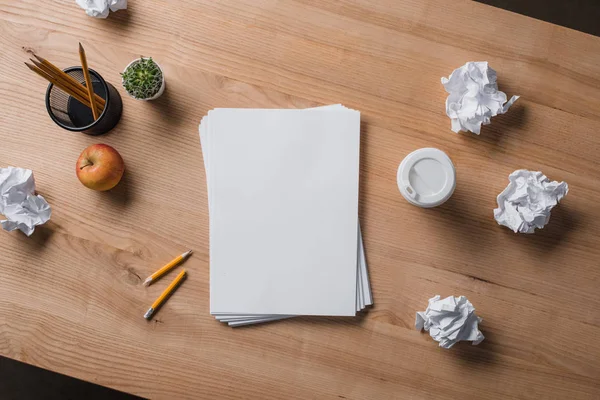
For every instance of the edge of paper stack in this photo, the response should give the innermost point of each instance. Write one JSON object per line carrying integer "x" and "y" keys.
{"x": 363, "y": 288}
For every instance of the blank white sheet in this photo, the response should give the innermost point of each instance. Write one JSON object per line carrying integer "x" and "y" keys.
{"x": 336, "y": 154}
{"x": 284, "y": 182}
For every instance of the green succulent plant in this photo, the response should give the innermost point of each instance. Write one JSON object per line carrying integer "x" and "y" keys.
{"x": 143, "y": 78}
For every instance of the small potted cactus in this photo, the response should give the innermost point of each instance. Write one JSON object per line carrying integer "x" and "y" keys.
{"x": 143, "y": 79}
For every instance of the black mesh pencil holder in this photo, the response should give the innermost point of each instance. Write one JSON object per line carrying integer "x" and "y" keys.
{"x": 69, "y": 113}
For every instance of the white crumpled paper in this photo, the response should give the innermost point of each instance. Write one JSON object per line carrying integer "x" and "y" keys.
{"x": 526, "y": 202}
{"x": 18, "y": 203}
{"x": 474, "y": 97}
{"x": 450, "y": 320}
{"x": 100, "y": 8}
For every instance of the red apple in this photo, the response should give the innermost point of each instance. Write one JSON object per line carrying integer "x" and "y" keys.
{"x": 100, "y": 167}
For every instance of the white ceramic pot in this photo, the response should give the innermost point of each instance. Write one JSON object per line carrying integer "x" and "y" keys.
{"x": 162, "y": 86}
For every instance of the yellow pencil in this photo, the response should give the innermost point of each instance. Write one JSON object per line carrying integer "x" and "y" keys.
{"x": 168, "y": 291}
{"x": 167, "y": 268}
{"x": 88, "y": 82}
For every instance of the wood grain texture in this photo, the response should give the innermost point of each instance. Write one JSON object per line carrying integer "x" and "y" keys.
{"x": 71, "y": 298}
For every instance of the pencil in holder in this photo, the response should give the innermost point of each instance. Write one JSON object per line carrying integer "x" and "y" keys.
{"x": 69, "y": 113}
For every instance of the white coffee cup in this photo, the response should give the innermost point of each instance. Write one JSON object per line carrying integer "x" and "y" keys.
{"x": 426, "y": 177}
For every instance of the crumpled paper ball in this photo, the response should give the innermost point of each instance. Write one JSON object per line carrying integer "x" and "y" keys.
{"x": 474, "y": 97}
{"x": 100, "y": 8}
{"x": 526, "y": 202}
{"x": 18, "y": 203}
{"x": 450, "y": 320}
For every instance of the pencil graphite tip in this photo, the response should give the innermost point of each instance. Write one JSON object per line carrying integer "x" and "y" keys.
{"x": 81, "y": 47}
{"x": 148, "y": 314}
{"x": 148, "y": 281}
{"x": 186, "y": 254}
{"x": 34, "y": 69}
{"x": 40, "y": 59}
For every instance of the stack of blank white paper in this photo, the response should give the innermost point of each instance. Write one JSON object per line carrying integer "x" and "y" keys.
{"x": 283, "y": 205}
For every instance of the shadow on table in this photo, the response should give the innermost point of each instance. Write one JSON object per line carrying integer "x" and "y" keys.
{"x": 563, "y": 221}
{"x": 23, "y": 381}
{"x": 364, "y": 143}
{"x": 479, "y": 356}
{"x": 581, "y": 15}
{"x": 166, "y": 108}
{"x": 470, "y": 230}
{"x": 502, "y": 125}
{"x": 118, "y": 21}
{"x": 122, "y": 194}
{"x": 316, "y": 320}
{"x": 39, "y": 238}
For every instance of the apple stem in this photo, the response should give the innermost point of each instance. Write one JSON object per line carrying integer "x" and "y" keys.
{"x": 86, "y": 165}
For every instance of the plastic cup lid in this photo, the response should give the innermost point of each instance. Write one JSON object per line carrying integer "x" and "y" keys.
{"x": 426, "y": 177}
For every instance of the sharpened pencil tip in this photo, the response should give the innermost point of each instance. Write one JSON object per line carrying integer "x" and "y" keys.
{"x": 147, "y": 281}
{"x": 80, "y": 47}
{"x": 186, "y": 254}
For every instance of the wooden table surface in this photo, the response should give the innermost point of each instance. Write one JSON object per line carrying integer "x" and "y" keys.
{"x": 71, "y": 298}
